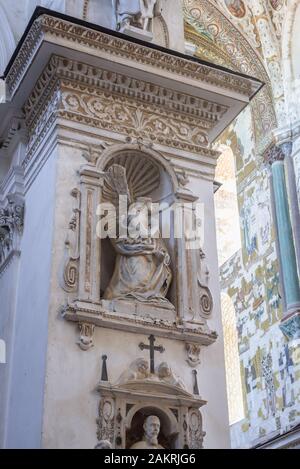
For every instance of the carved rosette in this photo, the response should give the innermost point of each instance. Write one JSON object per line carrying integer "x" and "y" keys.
{"x": 11, "y": 227}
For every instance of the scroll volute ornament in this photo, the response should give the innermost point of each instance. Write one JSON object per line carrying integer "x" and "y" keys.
{"x": 205, "y": 296}
{"x": 71, "y": 267}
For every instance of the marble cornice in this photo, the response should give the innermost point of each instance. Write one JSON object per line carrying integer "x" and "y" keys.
{"x": 51, "y": 28}
{"x": 77, "y": 92}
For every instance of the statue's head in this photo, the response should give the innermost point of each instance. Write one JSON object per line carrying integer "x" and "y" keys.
{"x": 142, "y": 366}
{"x": 164, "y": 371}
{"x": 151, "y": 428}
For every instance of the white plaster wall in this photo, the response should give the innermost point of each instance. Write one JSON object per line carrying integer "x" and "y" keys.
{"x": 70, "y": 406}
{"x": 26, "y": 391}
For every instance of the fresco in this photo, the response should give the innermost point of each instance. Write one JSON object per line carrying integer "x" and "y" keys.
{"x": 269, "y": 365}
{"x": 236, "y": 7}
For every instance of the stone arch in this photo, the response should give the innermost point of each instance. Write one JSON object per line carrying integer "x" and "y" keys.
{"x": 230, "y": 48}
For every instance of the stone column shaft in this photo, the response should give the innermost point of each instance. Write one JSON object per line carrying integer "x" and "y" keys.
{"x": 287, "y": 252}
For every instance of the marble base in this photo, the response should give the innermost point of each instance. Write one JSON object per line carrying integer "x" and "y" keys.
{"x": 137, "y": 33}
{"x": 144, "y": 310}
{"x": 165, "y": 324}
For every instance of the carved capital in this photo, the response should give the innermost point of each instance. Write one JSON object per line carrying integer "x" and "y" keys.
{"x": 287, "y": 148}
{"x": 11, "y": 226}
{"x": 273, "y": 154}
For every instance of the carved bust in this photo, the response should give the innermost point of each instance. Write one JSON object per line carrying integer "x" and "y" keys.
{"x": 151, "y": 431}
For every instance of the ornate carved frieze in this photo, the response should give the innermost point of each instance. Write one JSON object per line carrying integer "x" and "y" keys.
{"x": 117, "y": 103}
{"x": 11, "y": 227}
{"x": 58, "y": 28}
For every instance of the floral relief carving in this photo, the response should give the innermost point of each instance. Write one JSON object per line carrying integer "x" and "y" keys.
{"x": 113, "y": 114}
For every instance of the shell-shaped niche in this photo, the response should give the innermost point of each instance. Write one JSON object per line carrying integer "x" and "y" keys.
{"x": 139, "y": 178}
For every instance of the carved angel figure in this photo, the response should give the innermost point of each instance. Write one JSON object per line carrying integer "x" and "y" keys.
{"x": 139, "y": 369}
{"x": 165, "y": 373}
{"x": 142, "y": 268}
{"x": 138, "y": 13}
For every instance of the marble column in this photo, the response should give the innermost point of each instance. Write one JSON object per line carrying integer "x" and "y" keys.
{"x": 293, "y": 196}
{"x": 287, "y": 253}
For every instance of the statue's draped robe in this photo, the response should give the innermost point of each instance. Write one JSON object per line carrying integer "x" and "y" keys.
{"x": 141, "y": 272}
{"x": 130, "y": 9}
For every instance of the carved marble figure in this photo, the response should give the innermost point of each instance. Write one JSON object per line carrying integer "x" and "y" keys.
{"x": 137, "y": 13}
{"x": 142, "y": 268}
{"x": 151, "y": 431}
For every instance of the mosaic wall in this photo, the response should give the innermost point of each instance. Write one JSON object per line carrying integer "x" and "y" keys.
{"x": 269, "y": 364}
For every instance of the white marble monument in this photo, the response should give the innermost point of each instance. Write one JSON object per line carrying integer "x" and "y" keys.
{"x": 92, "y": 115}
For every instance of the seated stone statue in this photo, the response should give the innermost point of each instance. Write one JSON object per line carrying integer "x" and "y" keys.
{"x": 142, "y": 269}
{"x": 151, "y": 431}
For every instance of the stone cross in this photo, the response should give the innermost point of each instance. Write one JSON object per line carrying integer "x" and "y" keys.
{"x": 152, "y": 349}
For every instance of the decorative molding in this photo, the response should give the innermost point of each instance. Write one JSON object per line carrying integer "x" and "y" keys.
{"x": 113, "y": 102}
{"x": 24, "y": 57}
{"x": 83, "y": 312}
{"x": 118, "y": 47}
